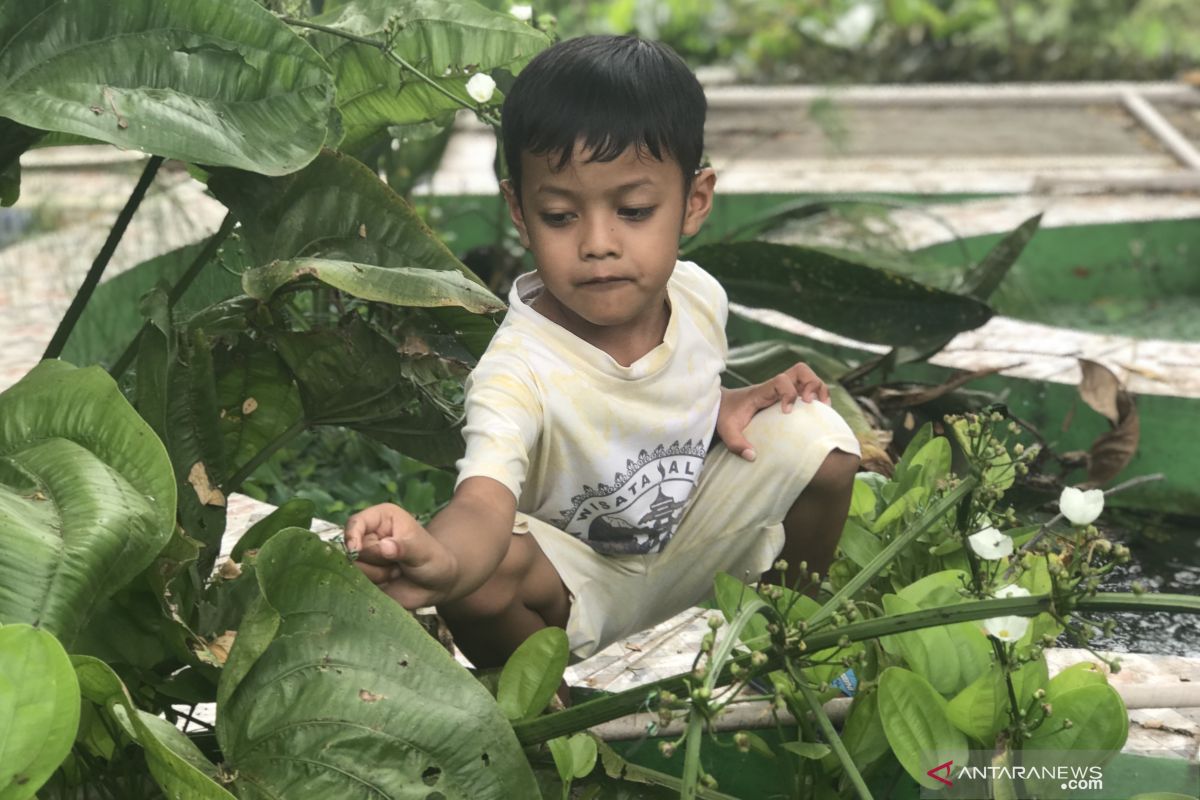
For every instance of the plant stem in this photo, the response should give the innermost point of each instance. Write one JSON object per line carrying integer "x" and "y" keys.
{"x": 233, "y": 484}
{"x": 178, "y": 290}
{"x": 388, "y": 52}
{"x": 835, "y": 741}
{"x": 79, "y": 302}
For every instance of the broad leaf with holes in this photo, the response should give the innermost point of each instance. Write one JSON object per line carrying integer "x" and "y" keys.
{"x": 334, "y": 690}
{"x": 86, "y": 496}
{"x": 220, "y": 82}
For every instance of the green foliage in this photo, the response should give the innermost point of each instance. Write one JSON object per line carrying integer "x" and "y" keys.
{"x": 532, "y": 675}
{"x": 342, "y": 472}
{"x": 39, "y": 703}
{"x": 448, "y": 41}
{"x": 86, "y": 498}
{"x": 916, "y": 724}
{"x": 333, "y": 685}
{"x": 820, "y": 41}
{"x": 208, "y": 81}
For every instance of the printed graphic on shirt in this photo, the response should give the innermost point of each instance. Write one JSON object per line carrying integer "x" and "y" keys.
{"x": 639, "y": 511}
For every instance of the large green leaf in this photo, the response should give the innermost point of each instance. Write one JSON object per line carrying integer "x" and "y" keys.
{"x": 219, "y": 82}
{"x": 349, "y": 697}
{"x": 39, "y": 709}
{"x": 917, "y": 728}
{"x": 401, "y": 286}
{"x": 175, "y": 762}
{"x": 841, "y": 292}
{"x": 337, "y": 208}
{"x": 435, "y": 36}
{"x": 86, "y": 496}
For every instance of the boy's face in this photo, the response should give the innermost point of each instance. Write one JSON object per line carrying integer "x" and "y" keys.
{"x": 605, "y": 237}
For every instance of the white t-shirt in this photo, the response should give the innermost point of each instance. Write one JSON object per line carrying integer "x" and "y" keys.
{"x": 604, "y": 452}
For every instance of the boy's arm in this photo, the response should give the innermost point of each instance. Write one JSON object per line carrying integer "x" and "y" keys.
{"x": 461, "y": 547}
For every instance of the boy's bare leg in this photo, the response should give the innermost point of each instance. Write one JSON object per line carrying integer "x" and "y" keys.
{"x": 524, "y": 595}
{"x": 813, "y": 525}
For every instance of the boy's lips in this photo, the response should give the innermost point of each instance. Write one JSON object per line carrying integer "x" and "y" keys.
{"x": 606, "y": 280}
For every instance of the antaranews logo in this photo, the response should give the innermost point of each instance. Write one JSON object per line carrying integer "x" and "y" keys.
{"x": 1023, "y": 774}
{"x": 946, "y": 766}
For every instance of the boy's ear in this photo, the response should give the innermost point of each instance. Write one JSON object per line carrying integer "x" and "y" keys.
{"x": 698, "y": 203}
{"x": 514, "y": 211}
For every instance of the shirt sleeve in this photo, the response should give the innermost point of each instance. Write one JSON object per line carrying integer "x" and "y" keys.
{"x": 503, "y": 422}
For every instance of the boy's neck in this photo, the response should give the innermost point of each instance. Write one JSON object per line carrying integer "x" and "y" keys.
{"x": 624, "y": 345}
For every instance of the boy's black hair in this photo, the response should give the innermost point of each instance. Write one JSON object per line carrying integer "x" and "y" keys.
{"x": 613, "y": 91}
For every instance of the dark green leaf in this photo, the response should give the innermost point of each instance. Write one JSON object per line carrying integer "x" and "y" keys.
{"x": 982, "y": 279}
{"x": 839, "y": 292}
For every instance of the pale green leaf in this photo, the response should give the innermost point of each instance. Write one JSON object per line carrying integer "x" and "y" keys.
{"x": 219, "y": 82}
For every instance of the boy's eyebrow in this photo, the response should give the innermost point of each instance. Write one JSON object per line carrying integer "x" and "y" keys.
{"x": 624, "y": 187}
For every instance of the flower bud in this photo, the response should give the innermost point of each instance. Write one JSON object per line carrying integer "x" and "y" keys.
{"x": 781, "y": 565}
{"x": 1048, "y": 709}
{"x": 1039, "y": 694}
{"x": 742, "y": 740}
{"x": 1068, "y": 724}
{"x": 758, "y": 658}
{"x": 702, "y": 693}
{"x": 667, "y": 749}
{"x": 715, "y": 621}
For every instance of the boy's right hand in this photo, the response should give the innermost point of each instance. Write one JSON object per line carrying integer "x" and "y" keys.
{"x": 400, "y": 556}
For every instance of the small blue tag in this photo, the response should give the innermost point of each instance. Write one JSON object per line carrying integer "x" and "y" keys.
{"x": 846, "y": 683}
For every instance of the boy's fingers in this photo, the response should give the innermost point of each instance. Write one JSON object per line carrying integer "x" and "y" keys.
{"x": 824, "y": 395}
{"x": 785, "y": 390}
{"x": 376, "y": 575}
{"x": 736, "y": 443}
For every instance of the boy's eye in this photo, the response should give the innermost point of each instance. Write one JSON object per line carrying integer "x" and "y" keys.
{"x": 636, "y": 214}
{"x": 554, "y": 219}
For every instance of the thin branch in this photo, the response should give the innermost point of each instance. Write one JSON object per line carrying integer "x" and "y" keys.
{"x": 92, "y": 280}
{"x": 177, "y": 291}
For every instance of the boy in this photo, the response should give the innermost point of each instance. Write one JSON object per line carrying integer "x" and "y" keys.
{"x": 589, "y": 497}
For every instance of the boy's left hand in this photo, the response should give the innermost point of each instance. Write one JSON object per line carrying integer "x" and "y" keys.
{"x": 738, "y": 406}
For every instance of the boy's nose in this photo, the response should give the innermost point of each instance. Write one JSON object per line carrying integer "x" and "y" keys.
{"x": 599, "y": 240}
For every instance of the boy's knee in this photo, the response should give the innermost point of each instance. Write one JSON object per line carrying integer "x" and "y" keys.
{"x": 836, "y": 473}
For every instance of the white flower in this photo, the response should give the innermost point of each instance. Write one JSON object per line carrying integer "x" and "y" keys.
{"x": 1081, "y": 508}
{"x": 481, "y": 87}
{"x": 990, "y": 544}
{"x": 1012, "y": 628}
{"x": 522, "y": 12}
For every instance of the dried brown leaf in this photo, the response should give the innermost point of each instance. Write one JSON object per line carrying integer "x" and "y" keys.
{"x": 209, "y": 495}
{"x": 1099, "y": 389}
